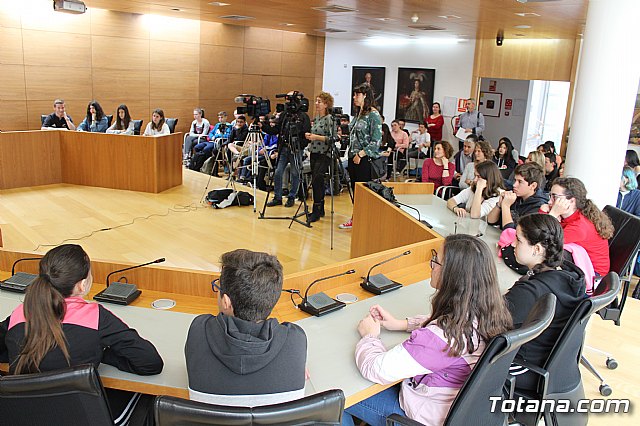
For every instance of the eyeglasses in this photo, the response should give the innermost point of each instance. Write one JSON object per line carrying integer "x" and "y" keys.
{"x": 215, "y": 285}
{"x": 553, "y": 196}
{"x": 434, "y": 259}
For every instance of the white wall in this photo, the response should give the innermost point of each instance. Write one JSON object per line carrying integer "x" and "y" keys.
{"x": 510, "y": 126}
{"x": 453, "y": 64}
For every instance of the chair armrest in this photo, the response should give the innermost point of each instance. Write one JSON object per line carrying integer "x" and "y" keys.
{"x": 544, "y": 374}
{"x": 397, "y": 419}
{"x": 510, "y": 386}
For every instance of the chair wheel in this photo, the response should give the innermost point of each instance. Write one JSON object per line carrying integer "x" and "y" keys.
{"x": 605, "y": 390}
{"x": 612, "y": 364}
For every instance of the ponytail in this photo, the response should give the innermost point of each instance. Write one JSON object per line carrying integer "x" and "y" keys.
{"x": 44, "y": 305}
{"x": 544, "y": 230}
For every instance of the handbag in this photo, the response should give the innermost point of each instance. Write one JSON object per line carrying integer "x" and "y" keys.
{"x": 378, "y": 167}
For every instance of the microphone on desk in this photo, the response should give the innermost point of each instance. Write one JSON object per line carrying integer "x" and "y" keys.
{"x": 122, "y": 293}
{"x": 418, "y": 211}
{"x": 18, "y": 282}
{"x": 379, "y": 284}
{"x": 320, "y": 304}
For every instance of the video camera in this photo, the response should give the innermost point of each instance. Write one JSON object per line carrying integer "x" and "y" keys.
{"x": 335, "y": 111}
{"x": 294, "y": 103}
{"x": 255, "y": 105}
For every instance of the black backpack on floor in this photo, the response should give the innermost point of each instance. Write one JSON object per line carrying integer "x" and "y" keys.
{"x": 197, "y": 161}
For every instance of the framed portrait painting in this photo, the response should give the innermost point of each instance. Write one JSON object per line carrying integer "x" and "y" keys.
{"x": 415, "y": 94}
{"x": 375, "y": 77}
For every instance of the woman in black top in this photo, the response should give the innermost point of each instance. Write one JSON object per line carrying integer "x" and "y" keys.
{"x": 503, "y": 157}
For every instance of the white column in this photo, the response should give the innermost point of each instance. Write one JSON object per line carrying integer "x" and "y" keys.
{"x": 606, "y": 87}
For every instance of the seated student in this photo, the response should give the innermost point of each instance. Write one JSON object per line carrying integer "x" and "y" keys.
{"x": 482, "y": 196}
{"x": 583, "y": 222}
{"x": 464, "y": 157}
{"x": 538, "y": 245}
{"x": 238, "y": 135}
{"x": 482, "y": 152}
{"x": 525, "y": 198}
{"x": 59, "y": 119}
{"x": 535, "y": 157}
{"x": 401, "y": 144}
{"x": 123, "y": 124}
{"x": 503, "y": 157}
{"x": 436, "y": 359}
{"x": 221, "y": 130}
{"x": 550, "y": 170}
{"x": 631, "y": 160}
{"x": 439, "y": 170}
{"x": 157, "y": 125}
{"x": 550, "y": 147}
{"x": 197, "y": 132}
{"x": 629, "y": 194}
{"x": 95, "y": 121}
{"x": 55, "y": 327}
{"x": 241, "y": 357}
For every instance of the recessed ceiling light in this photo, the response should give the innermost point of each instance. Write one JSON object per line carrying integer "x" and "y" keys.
{"x": 237, "y": 17}
{"x": 384, "y": 19}
{"x": 522, "y": 27}
{"x": 519, "y": 35}
{"x": 218, "y": 3}
{"x": 449, "y": 17}
{"x": 287, "y": 24}
{"x": 525, "y": 14}
{"x": 175, "y": 9}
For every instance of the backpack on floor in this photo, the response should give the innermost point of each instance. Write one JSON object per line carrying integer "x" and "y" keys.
{"x": 222, "y": 198}
{"x": 207, "y": 167}
{"x": 197, "y": 161}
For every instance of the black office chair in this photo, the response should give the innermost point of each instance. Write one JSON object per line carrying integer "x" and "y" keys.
{"x": 322, "y": 408}
{"x": 109, "y": 119}
{"x": 137, "y": 127}
{"x": 171, "y": 122}
{"x": 623, "y": 250}
{"x": 73, "y": 396}
{"x": 42, "y": 118}
{"x": 559, "y": 377}
{"x": 491, "y": 372}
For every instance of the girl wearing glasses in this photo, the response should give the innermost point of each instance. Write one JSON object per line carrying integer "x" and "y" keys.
{"x": 467, "y": 311}
{"x": 482, "y": 196}
{"x": 582, "y": 221}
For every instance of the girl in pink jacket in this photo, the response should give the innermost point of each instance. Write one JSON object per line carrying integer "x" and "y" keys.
{"x": 467, "y": 310}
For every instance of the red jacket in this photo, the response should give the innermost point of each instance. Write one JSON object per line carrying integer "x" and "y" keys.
{"x": 578, "y": 229}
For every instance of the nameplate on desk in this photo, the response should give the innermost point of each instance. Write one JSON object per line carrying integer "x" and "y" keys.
{"x": 379, "y": 284}
{"x": 118, "y": 293}
{"x": 18, "y": 283}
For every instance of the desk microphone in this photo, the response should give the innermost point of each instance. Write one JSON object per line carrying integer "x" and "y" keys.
{"x": 18, "y": 282}
{"x": 320, "y": 304}
{"x": 424, "y": 222}
{"x": 122, "y": 293}
{"x": 379, "y": 284}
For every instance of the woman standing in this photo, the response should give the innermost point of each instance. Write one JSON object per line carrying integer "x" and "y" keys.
{"x": 123, "y": 124}
{"x": 157, "y": 126}
{"x": 365, "y": 134}
{"x": 435, "y": 122}
{"x": 95, "y": 121}
{"x": 439, "y": 170}
{"x": 321, "y": 138}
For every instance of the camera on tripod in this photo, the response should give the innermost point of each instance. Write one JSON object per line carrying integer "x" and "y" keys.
{"x": 335, "y": 111}
{"x": 294, "y": 102}
{"x": 255, "y": 106}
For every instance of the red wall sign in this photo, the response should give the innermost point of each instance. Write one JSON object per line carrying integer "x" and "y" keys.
{"x": 508, "y": 103}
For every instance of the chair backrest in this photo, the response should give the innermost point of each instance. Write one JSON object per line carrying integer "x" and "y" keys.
{"x": 623, "y": 248}
{"x": 66, "y": 397}
{"x": 324, "y": 408}
{"x": 109, "y": 119}
{"x": 171, "y": 122}
{"x": 137, "y": 127}
{"x": 488, "y": 377}
{"x": 42, "y": 118}
{"x": 562, "y": 364}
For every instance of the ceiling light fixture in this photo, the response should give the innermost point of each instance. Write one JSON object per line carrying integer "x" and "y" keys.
{"x": 218, "y": 3}
{"x": 522, "y": 27}
{"x": 525, "y": 14}
{"x": 449, "y": 17}
{"x": 415, "y": 18}
{"x": 287, "y": 24}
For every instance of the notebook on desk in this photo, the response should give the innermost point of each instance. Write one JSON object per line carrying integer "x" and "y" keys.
{"x": 118, "y": 293}
{"x": 19, "y": 282}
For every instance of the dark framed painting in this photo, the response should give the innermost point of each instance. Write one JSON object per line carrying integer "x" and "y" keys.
{"x": 375, "y": 77}
{"x": 415, "y": 94}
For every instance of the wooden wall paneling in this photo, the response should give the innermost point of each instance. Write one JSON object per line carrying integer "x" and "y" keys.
{"x": 117, "y": 24}
{"x": 138, "y": 108}
{"x": 182, "y": 109}
{"x": 369, "y": 236}
{"x": 14, "y": 115}
{"x": 119, "y": 53}
{"x": 56, "y": 49}
{"x": 217, "y": 34}
{"x": 410, "y": 187}
{"x": 271, "y": 86}
{"x": 264, "y": 62}
{"x": 9, "y": 18}
{"x": 29, "y": 159}
{"x": 76, "y": 108}
{"x": 49, "y": 83}
{"x": 298, "y": 64}
{"x": 11, "y": 42}
{"x": 174, "y": 85}
{"x": 219, "y": 85}
{"x": 263, "y": 39}
{"x": 12, "y": 82}
{"x": 115, "y": 84}
{"x": 299, "y": 42}
{"x": 213, "y": 106}
{"x": 301, "y": 84}
{"x": 173, "y": 29}
{"x": 221, "y": 59}
{"x": 168, "y": 153}
{"x": 175, "y": 56}
{"x": 252, "y": 84}
{"x": 39, "y": 15}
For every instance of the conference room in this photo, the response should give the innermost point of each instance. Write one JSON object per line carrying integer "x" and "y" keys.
{"x": 128, "y": 199}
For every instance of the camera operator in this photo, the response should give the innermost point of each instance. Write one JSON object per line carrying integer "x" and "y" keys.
{"x": 321, "y": 138}
{"x": 288, "y": 146}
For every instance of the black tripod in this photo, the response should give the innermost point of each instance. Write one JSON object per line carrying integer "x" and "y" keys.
{"x": 221, "y": 151}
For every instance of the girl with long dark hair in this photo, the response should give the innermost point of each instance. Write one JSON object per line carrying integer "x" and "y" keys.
{"x": 482, "y": 196}
{"x": 95, "y": 121}
{"x": 467, "y": 311}
{"x": 503, "y": 157}
{"x": 157, "y": 126}
{"x": 123, "y": 124}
